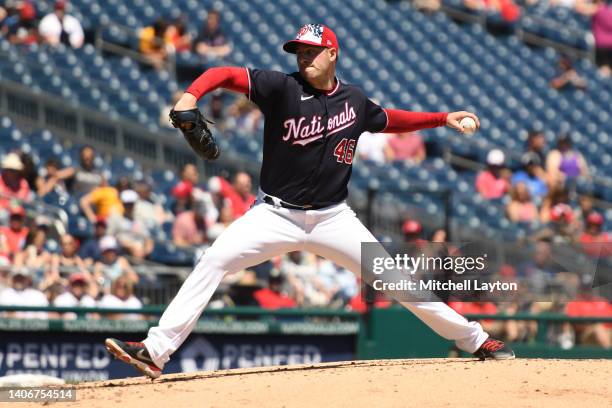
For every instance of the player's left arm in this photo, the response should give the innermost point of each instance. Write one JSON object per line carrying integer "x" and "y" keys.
{"x": 399, "y": 121}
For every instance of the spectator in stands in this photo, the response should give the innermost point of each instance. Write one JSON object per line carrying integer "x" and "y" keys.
{"x": 601, "y": 25}
{"x": 105, "y": 199}
{"x": 226, "y": 217}
{"x": 536, "y": 143}
{"x": 335, "y": 282}
{"x": 36, "y": 255}
{"x": 272, "y": 297}
{"x": 76, "y": 296}
{"x": 21, "y": 293}
{"x": 211, "y": 41}
{"x": 123, "y": 183}
{"x": 243, "y": 117}
{"x": 589, "y": 305}
{"x": 22, "y": 30}
{"x": 427, "y": 5}
{"x": 52, "y": 178}
{"x": 216, "y": 111}
{"x": 506, "y": 10}
{"x": 521, "y": 208}
{"x": 5, "y": 271}
{"x": 152, "y": 43}
{"x": 12, "y": 183}
{"x": 183, "y": 197}
{"x": 565, "y": 164}
{"x": 585, "y": 207}
{"x": 177, "y": 36}
{"x": 539, "y": 270}
{"x": 406, "y": 146}
{"x": 134, "y": 237}
{"x": 238, "y": 194}
{"x": 122, "y": 296}
{"x": 528, "y": 175}
{"x": 595, "y": 242}
{"x": 189, "y": 186}
{"x": 561, "y": 228}
{"x": 30, "y": 171}
{"x": 412, "y": 230}
{"x": 492, "y": 183}
{"x": 567, "y": 76}
{"x": 190, "y": 228}
{"x": 90, "y": 250}
{"x": 84, "y": 178}
{"x": 13, "y": 237}
{"x": 556, "y": 195}
{"x": 112, "y": 265}
{"x": 68, "y": 261}
{"x": 301, "y": 272}
{"x": 3, "y": 16}
{"x": 61, "y": 28}
{"x": 372, "y": 147}
{"x": 147, "y": 209}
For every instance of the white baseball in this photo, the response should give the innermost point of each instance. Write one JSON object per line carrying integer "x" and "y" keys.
{"x": 468, "y": 124}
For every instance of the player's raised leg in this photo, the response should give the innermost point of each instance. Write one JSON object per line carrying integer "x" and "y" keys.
{"x": 339, "y": 239}
{"x": 257, "y": 236}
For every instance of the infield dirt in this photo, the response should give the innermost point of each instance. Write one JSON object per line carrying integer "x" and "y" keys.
{"x": 388, "y": 383}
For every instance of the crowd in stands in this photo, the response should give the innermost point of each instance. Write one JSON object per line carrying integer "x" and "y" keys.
{"x": 20, "y": 23}
{"x": 40, "y": 267}
{"x": 542, "y": 192}
{"x": 164, "y": 38}
{"x": 43, "y": 267}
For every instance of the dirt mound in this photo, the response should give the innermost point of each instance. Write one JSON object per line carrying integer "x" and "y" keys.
{"x": 389, "y": 383}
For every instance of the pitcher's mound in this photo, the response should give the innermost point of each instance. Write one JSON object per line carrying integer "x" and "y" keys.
{"x": 389, "y": 383}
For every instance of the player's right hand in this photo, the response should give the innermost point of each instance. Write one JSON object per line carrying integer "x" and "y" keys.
{"x": 453, "y": 119}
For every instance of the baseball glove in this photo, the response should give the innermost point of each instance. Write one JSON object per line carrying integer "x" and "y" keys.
{"x": 194, "y": 127}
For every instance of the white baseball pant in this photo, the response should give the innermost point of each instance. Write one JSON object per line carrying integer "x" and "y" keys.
{"x": 266, "y": 231}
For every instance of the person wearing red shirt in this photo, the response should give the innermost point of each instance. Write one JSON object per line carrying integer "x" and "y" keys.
{"x": 594, "y": 242}
{"x": 407, "y": 146}
{"x": 491, "y": 184}
{"x": 13, "y": 237}
{"x": 12, "y": 182}
{"x": 238, "y": 194}
{"x": 271, "y": 297}
{"x": 588, "y": 305}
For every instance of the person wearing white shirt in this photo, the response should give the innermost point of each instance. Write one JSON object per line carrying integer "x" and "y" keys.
{"x": 76, "y": 296}
{"x": 59, "y": 27}
{"x": 121, "y": 296}
{"x": 371, "y": 147}
{"x": 22, "y": 294}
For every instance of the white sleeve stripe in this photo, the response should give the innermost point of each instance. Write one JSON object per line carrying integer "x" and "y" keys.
{"x": 249, "y": 77}
{"x": 386, "y": 124}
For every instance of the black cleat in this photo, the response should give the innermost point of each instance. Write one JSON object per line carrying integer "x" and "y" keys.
{"x": 135, "y": 354}
{"x": 494, "y": 350}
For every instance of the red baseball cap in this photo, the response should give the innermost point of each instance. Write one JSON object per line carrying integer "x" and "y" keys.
{"x": 183, "y": 189}
{"x": 412, "y": 227}
{"x": 313, "y": 34}
{"x": 17, "y": 210}
{"x": 595, "y": 218}
{"x": 562, "y": 212}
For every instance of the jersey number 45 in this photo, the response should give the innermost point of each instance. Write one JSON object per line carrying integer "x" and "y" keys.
{"x": 344, "y": 151}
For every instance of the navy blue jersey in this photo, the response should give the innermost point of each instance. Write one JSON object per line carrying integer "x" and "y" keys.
{"x": 310, "y": 136}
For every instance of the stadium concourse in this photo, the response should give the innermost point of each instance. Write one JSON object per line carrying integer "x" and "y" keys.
{"x": 538, "y": 172}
